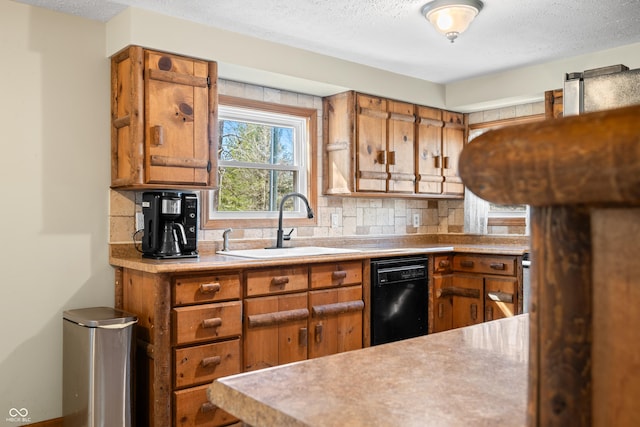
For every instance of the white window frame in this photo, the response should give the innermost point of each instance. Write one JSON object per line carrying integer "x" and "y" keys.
{"x": 300, "y": 166}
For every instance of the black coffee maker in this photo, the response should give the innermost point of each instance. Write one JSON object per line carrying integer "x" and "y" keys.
{"x": 170, "y": 225}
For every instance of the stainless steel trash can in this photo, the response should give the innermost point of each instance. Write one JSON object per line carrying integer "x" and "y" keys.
{"x": 97, "y": 360}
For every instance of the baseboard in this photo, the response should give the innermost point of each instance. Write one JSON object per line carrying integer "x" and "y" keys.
{"x": 56, "y": 422}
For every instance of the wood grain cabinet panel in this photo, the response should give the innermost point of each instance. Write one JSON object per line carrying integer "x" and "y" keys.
{"x": 208, "y": 288}
{"x": 385, "y": 147}
{"x": 277, "y": 280}
{"x": 207, "y": 322}
{"x": 336, "y": 274}
{"x": 163, "y": 116}
{"x": 193, "y": 409}
{"x": 204, "y": 363}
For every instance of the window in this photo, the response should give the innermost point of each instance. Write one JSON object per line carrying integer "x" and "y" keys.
{"x": 264, "y": 152}
{"x": 479, "y": 214}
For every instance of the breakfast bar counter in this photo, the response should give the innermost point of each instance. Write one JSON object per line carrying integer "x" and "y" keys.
{"x": 475, "y": 375}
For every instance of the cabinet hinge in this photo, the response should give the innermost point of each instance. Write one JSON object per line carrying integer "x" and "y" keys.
{"x": 209, "y": 166}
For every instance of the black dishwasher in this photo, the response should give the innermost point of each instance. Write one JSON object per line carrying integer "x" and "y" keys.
{"x": 399, "y": 299}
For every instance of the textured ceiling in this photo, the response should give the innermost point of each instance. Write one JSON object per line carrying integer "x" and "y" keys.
{"x": 394, "y": 36}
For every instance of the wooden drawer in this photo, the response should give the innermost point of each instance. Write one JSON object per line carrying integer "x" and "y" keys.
{"x": 442, "y": 264}
{"x": 204, "y": 363}
{"x": 489, "y": 264}
{"x": 193, "y": 409}
{"x": 336, "y": 274}
{"x": 203, "y": 289}
{"x": 206, "y": 322}
{"x": 277, "y": 280}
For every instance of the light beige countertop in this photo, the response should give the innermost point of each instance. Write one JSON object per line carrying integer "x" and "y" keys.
{"x": 469, "y": 376}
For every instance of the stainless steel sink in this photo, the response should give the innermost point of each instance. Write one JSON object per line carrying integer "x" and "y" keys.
{"x": 287, "y": 252}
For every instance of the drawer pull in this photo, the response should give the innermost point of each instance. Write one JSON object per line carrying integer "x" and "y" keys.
{"x": 498, "y": 265}
{"x": 208, "y": 361}
{"x": 474, "y": 312}
{"x": 444, "y": 263}
{"x": 339, "y": 275}
{"x": 466, "y": 263}
{"x": 269, "y": 319}
{"x": 500, "y": 297}
{"x": 280, "y": 280}
{"x": 457, "y": 292}
{"x": 209, "y": 288}
{"x": 337, "y": 308}
{"x": 207, "y": 407}
{"x": 318, "y": 333}
{"x": 212, "y": 323}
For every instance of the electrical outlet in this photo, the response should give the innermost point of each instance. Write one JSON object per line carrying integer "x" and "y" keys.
{"x": 139, "y": 221}
{"x": 416, "y": 220}
{"x": 335, "y": 220}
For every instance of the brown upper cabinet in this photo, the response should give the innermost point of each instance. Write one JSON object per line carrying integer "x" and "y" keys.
{"x": 163, "y": 120}
{"x": 375, "y": 145}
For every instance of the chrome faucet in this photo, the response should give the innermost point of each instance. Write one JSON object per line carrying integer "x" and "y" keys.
{"x": 225, "y": 239}
{"x": 281, "y": 236}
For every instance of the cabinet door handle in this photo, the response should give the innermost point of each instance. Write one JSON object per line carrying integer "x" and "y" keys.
{"x": 339, "y": 275}
{"x": 318, "y": 333}
{"x": 209, "y": 288}
{"x": 498, "y": 265}
{"x": 303, "y": 337}
{"x": 444, "y": 263}
{"x": 381, "y": 157}
{"x": 208, "y": 361}
{"x": 207, "y": 407}
{"x": 157, "y": 136}
{"x": 212, "y": 323}
{"x": 270, "y": 319}
{"x": 466, "y": 263}
{"x": 489, "y": 313}
{"x": 437, "y": 161}
{"x": 446, "y": 162}
{"x": 280, "y": 280}
{"x": 500, "y": 297}
{"x": 337, "y": 308}
{"x": 392, "y": 158}
{"x": 440, "y": 310}
{"x": 454, "y": 291}
{"x": 474, "y": 312}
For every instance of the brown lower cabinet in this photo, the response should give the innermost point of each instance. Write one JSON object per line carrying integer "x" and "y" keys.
{"x": 196, "y": 327}
{"x": 474, "y": 288}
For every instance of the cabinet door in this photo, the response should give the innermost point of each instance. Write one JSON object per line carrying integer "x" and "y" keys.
{"x": 453, "y": 138}
{"x": 429, "y": 150}
{"x": 468, "y": 299}
{"x": 371, "y": 166}
{"x": 176, "y": 119}
{"x": 443, "y": 303}
{"x": 500, "y": 297}
{"x": 336, "y": 320}
{"x": 275, "y": 330}
{"x": 400, "y": 144}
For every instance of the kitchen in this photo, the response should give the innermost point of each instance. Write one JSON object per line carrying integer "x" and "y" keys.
{"x": 59, "y": 75}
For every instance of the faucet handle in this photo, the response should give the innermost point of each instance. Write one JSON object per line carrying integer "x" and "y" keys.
{"x": 288, "y": 235}
{"x": 225, "y": 239}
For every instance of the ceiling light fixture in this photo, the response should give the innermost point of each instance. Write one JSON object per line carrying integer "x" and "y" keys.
{"x": 451, "y": 17}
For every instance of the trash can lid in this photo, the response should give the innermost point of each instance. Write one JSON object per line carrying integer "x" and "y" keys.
{"x": 96, "y": 317}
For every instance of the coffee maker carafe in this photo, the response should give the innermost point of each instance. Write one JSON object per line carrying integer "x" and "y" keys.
{"x": 170, "y": 224}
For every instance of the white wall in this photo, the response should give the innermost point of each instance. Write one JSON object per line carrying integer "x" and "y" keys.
{"x": 54, "y": 110}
